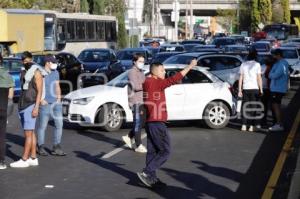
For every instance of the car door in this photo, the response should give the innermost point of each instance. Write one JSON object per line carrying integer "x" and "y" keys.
{"x": 199, "y": 91}
{"x": 175, "y": 98}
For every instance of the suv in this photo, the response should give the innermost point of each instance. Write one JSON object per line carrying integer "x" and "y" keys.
{"x": 226, "y": 67}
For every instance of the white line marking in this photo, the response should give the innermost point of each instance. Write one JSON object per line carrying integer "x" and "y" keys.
{"x": 118, "y": 150}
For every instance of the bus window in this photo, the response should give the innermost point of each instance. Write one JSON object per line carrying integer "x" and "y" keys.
{"x": 90, "y": 30}
{"x": 80, "y": 30}
{"x": 70, "y": 30}
{"x": 114, "y": 31}
{"x": 108, "y": 31}
{"x": 100, "y": 31}
{"x": 49, "y": 37}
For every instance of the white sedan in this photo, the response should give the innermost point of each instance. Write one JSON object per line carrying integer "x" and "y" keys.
{"x": 201, "y": 95}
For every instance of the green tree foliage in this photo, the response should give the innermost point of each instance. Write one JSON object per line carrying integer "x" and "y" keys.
{"x": 286, "y": 11}
{"x": 17, "y": 3}
{"x": 277, "y": 16}
{"x": 255, "y": 15}
{"x": 265, "y": 10}
{"x": 227, "y": 19}
{"x": 84, "y": 6}
{"x": 297, "y": 22}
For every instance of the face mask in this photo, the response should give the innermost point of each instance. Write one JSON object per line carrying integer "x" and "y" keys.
{"x": 140, "y": 65}
{"x": 53, "y": 66}
{"x": 27, "y": 65}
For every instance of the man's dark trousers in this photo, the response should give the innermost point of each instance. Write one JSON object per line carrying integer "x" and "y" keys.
{"x": 158, "y": 147}
{"x": 3, "y": 120}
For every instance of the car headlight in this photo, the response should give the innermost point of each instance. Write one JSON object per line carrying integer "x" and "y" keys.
{"x": 83, "y": 101}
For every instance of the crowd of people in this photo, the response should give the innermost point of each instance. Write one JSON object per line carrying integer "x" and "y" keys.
{"x": 40, "y": 101}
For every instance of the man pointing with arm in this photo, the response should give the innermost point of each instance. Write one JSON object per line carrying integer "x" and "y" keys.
{"x": 158, "y": 139}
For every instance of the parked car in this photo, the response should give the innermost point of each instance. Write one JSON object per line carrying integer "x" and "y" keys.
{"x": 14, "y": 66}
{"x": 224, "y": 66}
{"x": 273, "y": 42}
{"x": 68, "y": 66}
{"x": 171, "y": 48}
{"x": 189, "y": 47}
{"x": 126, "y": 55}
{"x": 221, "y": 42}
{"x": 107, "y": 105}
{"x": 262, "y": 46}
{"x": 162, "y": 56}
{"x": 192, "y": 41}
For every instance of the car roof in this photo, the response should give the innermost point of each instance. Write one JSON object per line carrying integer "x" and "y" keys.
{"x": 92, "y": 49}
{"x": 12, "y": 58}
{"x": 196, "y": 54}
{"x": 236, "y": 46}
{"x": 134, "y": 49}
{"x": 169, "y": 53}
{"x": 262, "y": 42}
{"x": 287, "y": 48}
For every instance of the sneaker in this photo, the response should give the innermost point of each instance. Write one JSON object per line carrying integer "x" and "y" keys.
{"x": 145, "y": 179}
{"x": 33, "y": 162}
{"x": 42, "y": 151}
{"x": 141, "y": 149}
{"x": 128, "y": 141}
{"x": 20, "y": 164}
{"x": 158, "y": 184}
{"x": 58, "y": 151}
{"x": 276, "y": 127}
{"x": 244, "y": 128}
{"x": 251, "y": 129}
{"x": 2, "y": 165}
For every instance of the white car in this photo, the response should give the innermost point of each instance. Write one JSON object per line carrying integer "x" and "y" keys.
{"x": 201, "y": 95}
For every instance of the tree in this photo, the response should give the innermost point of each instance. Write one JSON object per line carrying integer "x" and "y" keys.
{"x": 227, "y": 19}
{"x": 286, "y": 11}
{"x": 84, "y": 6}
{"x": 255, "y": 15}
{"x": 147, "y": 14}
{"x": 277, "y": 16}
{"x": 265, "y": 10}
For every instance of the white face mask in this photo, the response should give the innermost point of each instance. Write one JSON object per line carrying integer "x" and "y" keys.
{"x": 53, "y": 66}
{"x": 140, "y": 65}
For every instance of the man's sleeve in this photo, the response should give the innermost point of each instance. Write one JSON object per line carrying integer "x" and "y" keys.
{"x": 57, "y": 76}
{"x": 170, "y": 81}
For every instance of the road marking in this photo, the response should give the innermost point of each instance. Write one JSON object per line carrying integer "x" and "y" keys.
{"x": 118, "y": 150}
{"x": 269, "y": 190}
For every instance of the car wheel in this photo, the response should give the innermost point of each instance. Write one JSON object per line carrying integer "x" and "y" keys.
{"x": 216, "y": 115}
{"x": 110, "y": 117}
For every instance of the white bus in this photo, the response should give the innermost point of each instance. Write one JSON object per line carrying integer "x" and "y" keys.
{"x": 70, "y": 32}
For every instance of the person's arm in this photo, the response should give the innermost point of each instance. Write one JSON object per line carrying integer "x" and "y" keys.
{"x": 259, "y": 79}
{"x": 11, "y": 93}
{"x": 39, "y": 87}
{"x": 134, "y": 82}
{"x": 241, "y": 79}
{"x": 178, "y": 76}
{"x": 58, "y": 91}
{"x": 276, "y": 71}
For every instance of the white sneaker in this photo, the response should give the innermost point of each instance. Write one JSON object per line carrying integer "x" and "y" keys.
{"x": 251, "y": 129}
{"x": 2, "y": 165}
{"x": 258, "y": 127}
{"x": 141, "y": 149}
{"x": 276, "y": 127}
{"x": 20, "y": 164}
{"x": 33, "y": 162}
{"x": 244, "y": 128}
{"x": 127, "y": 141}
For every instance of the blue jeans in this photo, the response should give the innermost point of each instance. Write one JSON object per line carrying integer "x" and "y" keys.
{"x": 47, "y": 112}
{"x": 136, "y": 131}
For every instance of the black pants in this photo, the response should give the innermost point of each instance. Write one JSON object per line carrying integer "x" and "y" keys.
{"x": 138, "y": 120}
{"x": 158, "y": 147}
{"x": 250, "y": 100}
{"x": 3, "y": 120}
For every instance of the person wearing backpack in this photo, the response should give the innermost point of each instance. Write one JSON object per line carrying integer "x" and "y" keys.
{"x": 6, "y": 97}
{"x": 29, "y": 103}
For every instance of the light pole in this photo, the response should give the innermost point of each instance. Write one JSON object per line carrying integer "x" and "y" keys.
{"x": 176, "y": 21}
{"x": 191, "y": 20}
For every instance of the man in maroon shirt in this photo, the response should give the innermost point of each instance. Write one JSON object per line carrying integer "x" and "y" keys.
{"x": 158, "y": 139}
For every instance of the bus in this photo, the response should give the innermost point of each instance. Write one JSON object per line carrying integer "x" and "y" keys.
{"x": 46, "y": 30}
{"x": 281, "y": 31}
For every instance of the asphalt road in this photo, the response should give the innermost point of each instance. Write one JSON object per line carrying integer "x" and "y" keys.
{"x": 204, "y": 163}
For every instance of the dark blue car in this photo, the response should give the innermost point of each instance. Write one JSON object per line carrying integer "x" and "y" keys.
{"x": 13, "y": 66}
{"x": 126, "y": 55}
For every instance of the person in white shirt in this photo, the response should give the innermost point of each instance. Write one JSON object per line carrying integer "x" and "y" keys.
{"x": 250, "y": 88}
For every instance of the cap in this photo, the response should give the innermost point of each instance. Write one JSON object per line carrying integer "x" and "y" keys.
{"x": 50, "y": 58}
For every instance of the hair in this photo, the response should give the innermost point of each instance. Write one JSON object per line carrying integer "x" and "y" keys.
{"x": 137, "y": 56}
{"x": 252, "y": 55}
{"x": 1, "y": 59}
{"x": 154, "y": 65}
{"x": 277, "y": 52}
{"x": 270, "y": 61}
{"x": 26, "y": 54}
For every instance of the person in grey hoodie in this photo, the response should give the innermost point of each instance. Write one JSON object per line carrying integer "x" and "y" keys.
{"x": 136, "y": 79}
{"x": 279, "y": 76}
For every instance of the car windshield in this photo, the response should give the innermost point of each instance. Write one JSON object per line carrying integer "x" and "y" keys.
{"x": 128, "y": 55}
{"x": 261, "y": 46}
{"x": 94, "y": 56}
{"x": 186, "y": 59}
{"x": 119, "y": 81}
{"x": 290, "y": 54}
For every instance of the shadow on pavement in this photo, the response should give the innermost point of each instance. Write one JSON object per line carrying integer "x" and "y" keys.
{"x": 220, "y": 171}
{"x": 101, "y": 137}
